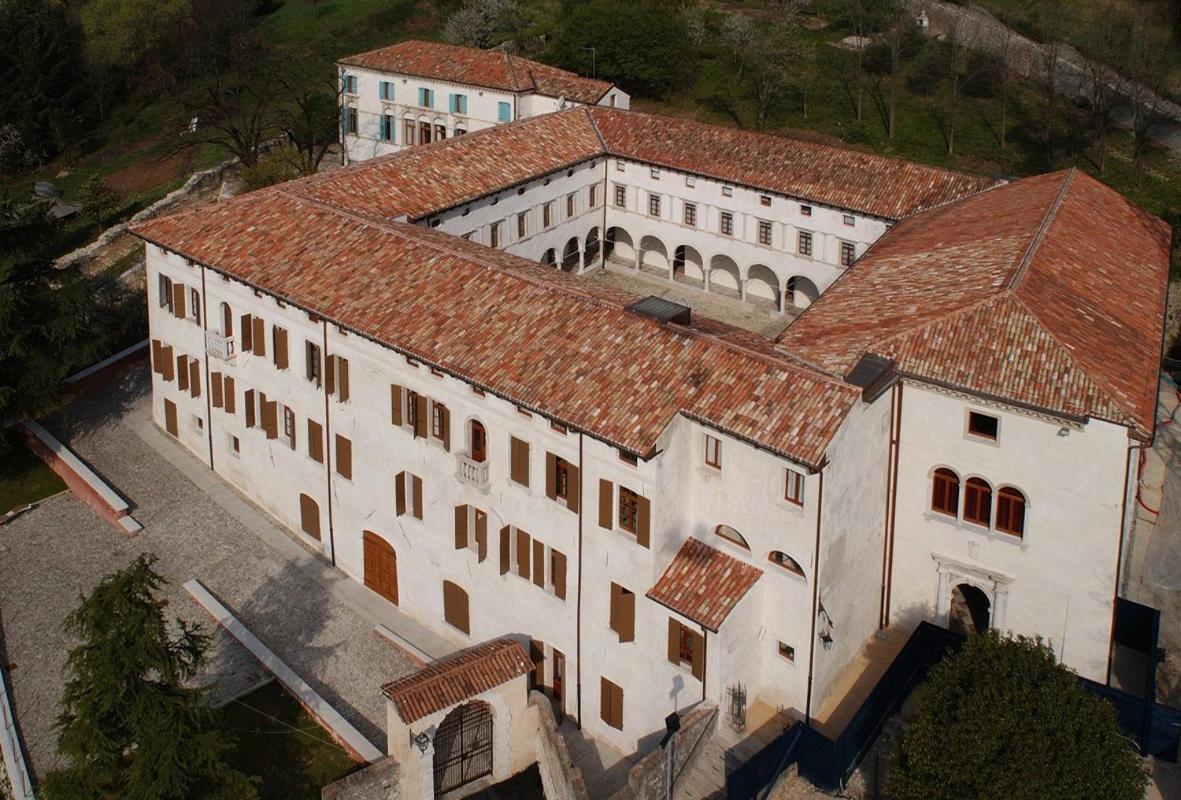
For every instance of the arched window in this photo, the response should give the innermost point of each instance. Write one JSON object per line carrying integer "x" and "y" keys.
{"x": 945, "y": 492}
{"x": 732, "y": 536}
{"x": 1010, "y": 511}
{"x": 781, "y": 559}
{"x": 977, "y": 501}
{"x": 479, "y": 441}
{"x": 227, "y": 320}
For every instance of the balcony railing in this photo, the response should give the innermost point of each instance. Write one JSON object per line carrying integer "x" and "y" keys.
{"x": 220, "y": 346}
{"x": 472, "y": 471}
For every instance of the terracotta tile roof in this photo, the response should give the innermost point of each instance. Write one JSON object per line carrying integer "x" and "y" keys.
{"x": 492, "y": 69}
{"x": 704, "y": 584}
{"x": 1049, "y": 291}
{"x": 457, "y": 677}
{"x": 535, "y": 335}
{"x": 836, "y": 176}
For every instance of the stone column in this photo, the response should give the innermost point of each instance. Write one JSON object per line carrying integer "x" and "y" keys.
{"x": 943, "y": 599}
{"x": 1000, "y": 602}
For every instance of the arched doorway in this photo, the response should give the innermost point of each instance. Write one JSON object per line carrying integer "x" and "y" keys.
{"x": 970, "y": 610}
{"x": 463, "y": 746}
{"x": 570, "y": 256}
{"x": 687, "y": 266}
{"x": 590, "y": 250}
{"x": 381, "y": 566}
{"x": 653, "y": 256}
{"x": 227, "y": 320}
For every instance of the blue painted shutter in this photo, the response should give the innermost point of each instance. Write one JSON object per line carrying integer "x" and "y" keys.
{"x": 505, "y": 112}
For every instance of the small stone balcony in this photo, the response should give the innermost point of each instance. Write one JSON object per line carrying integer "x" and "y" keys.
{"x": 472, "y": 472}
{"x": 220, "y": 347}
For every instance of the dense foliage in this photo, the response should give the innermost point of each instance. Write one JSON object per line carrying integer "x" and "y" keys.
{"x": 1003, "y": 719}
{"x": 134, "y": 726}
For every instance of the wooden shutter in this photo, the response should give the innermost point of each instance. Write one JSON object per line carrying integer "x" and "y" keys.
{"x": 344, "y": 457}
{"x": 311, "y": 361}
{"x": 455, "y": 607}
{"x": 195, "y": 378}
{"x": 166, "y": 365}
{"x": 627, "y": 615}
{"x": 215, "y": 389}
{"x": 182, "y": 373}
{"x": 316, "y": 441}
{"x": 611, "y": 703}
{"x": 400, "y": 494}
{"x": 231, "y": 401}
{"x": 505, "y": 549}
{"x": 523, "y": 554}
{"x": 170, "y": 423}
{"x": 289, "y": 425}
{"x": 309, "y": 516}
{"x": 259, "y": 336}
{"x": 417, "y": 496}
{"x": 249, "y": 408}
{"x": 519, "y": 461}
{"x": 617, "y": 707}
{"x": 606, "y": 504}
{"x": 420, "y": 416}
{"x": 280, "y": 348}
{"x": 643, "y": 520}
{"x": 537, "y": 656}
{"x": 698, "y": 656}
{"x": 674, "y": 641}
{"x": 551, "y": 462}
{"x": 573, "y": 487}
{"x": 538, "y": 564}
{"x": 481, "y": 536}
{"x": 395, "y": 404}
{"x": 460, "y": 527}
{"x": 342, "y": 383}
{"x": 156, "y": 365}
{"x": 247, "y": 334}
{"x": 270, "y": 417}
{"x": 330, "y": 375}
{"x": 558, "y": 578}
{"x": 445, "y": 421}
{"x": 179, "y": 301}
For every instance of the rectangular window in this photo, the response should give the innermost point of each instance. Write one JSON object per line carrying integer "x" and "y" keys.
{"x": 654, "y": 205}
{"x": 547, "y": 215}
{"x": 629, "y": 509}
{"x": 848, "y": 254}
{"x": 611, "y": 704}
{"x": 385, "y": 90}
{"x": 408, "y": 495}
{"x": 848, "y": 220}
{"x": 787, "y": 653}
{"x": 351, "y": 121}
{"x": 764, "y": 200}
{"x": 279, "y": 347}
{"x": 344, "y": 457}
{"x": 522, "y": 224}
{"x": 504, "y": 112}
{"x": 426, "y": 98}
{"x": 459, "y": 104}
{"x": 654, "y": 172}
{"x": 494, "y": 234}
{"x": 409, "y": 132}
{"x": 623, "y": 613}
{"x": 690, "y": 215}
{"x": 440, "y": 133}
{"x": 561, "y": 481}
{"x": 315, "y": 441}
{"x": 195, "y": 304}
{"x": 764, "y": 232}
{"x": 621, "y": 196}
{"x": 805, "y": 243}
{"x": 805, "y": 211}
{"x": 794, "y": 489}
{"x": 289, "y": 426}
{"x": 727, "y": 191}
{"x": 726, "y": 223}
{"x": 165, "y": 290}
{"x": 519, "y": 461}
{"x": 686, "y": 647}
{"x": 557, "y": 573}
{"x": 593, "y": 196}
{"x": 569, "y": 206}
{"x": 312, "y": 362}
{"x": 713, "y": 452}
{"x": 350, "y": 84}
{"x": 985, "y": 426}
{"x": 387, "y": 127}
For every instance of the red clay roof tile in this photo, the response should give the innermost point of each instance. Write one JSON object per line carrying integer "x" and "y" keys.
{"x": 704, "y": 584}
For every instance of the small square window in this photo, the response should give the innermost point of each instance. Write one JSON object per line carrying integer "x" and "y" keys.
{"x": 806, "y": 211}
{"x": 787, "y": 652}
{"x": 558, "y": 427}
{"x": 794, "y": 488}
{"x": 235, "y": 446}
{"x": 690, "y": 181}
{"x": 198, "y": 424}
{"x": 654, "y": 172}
{"x": 628, "y": 458}
{"x": 764, "y": 199}
{"x": 619, "y": 166}
{"x": 848, "y": 220}
{"x": 983, "y": 425}
{"x": 727, "y": 191}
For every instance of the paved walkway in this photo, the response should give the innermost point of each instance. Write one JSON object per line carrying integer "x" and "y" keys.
{"x": 316, "y": 619}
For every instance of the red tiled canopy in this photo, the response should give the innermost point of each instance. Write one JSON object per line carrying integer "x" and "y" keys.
{"x": 704, "y": 584}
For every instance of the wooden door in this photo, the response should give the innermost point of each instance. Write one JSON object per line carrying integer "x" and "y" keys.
{"x": 309, "y": 516}
{"x": 170, "y": 424}
{"x": 479, "y": 443}
{"x": 559, "y": 678}
{"x": 381, "y": 566}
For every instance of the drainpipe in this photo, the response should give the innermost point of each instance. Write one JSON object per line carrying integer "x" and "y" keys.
{"x": 603, "y": 238}
{"x": 815, "y": 600}
{"x": 1119, "y": 557}
{"x": 205, "y": 361}
{"x": 578, "y": 595}
{"x": 327, "y": 443}
{"x": 891, "y": 505}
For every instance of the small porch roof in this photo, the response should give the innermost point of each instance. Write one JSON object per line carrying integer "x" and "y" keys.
{"x": 704, "y": 584}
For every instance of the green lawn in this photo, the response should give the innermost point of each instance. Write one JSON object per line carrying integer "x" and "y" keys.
{"x": 281, "y": 744}
{"x": 24, "y": 478}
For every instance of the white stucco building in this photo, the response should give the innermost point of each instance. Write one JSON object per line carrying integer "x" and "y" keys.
{"x": 418, "y": 92}
{"x": 402, "y": 363}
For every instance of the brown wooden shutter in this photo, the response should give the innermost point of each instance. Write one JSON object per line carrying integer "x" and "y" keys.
{"x": 455, "y": 607}
{"x": 170, "y": 423}
{"x": 698, "y": 656}
{"x": 249, "y": 408}
{"x": 259, "y": 336}
{"x": 196, "y": 305}
{"x": 156, "y": 365}
{"x": 573, "y": 488}
{"x": 538, "y": 564}
{"x": 481, "y": 536}
{"x": 505, "y": 549}
{"x": 627, "y": 615}
{"x": 674, "y": 641}
{"x": 420, "y": 416}
{"x": 231, "y": 399}
{"x": 643, "y": 520}
{"x": 519, "y": 461}
{"x": 289, "y": 425}
{"x": 606, "y": 504}
{"x": 344, "y": 457}
{"x": 551, "y": 469}
{"x": 166, "y": 363}
{"x": 247, "y": 334}
{"x": 460, "y": 527}
{"x": 558, "y": 579}
{"x": 179, "y": 301}
{"x": 617, "y": 707}
{"x": 215, "y": 389}
{"x": 417, "y": 496}
{"x": 182, "y": 372}
{"x": 523, "y": 554}
{"x": 342, "y": 388}
{"x": 395, "y": 404}
{"x": 195, "y": 378}
{"x": 270, "y": 418}
{"x": 400, "y": 494}
{"x": 280, "y": 348}
{"x": 605, "y": 700}
{"x": 316, "y": 441}
{"x": 311, "y": 358}
{"x": 446, "y": 422}
{"x": 330, "y": 375}
{"x": 309, "y": 516}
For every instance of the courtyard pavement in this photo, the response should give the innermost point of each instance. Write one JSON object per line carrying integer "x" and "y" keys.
{"x": 320, "y": 622}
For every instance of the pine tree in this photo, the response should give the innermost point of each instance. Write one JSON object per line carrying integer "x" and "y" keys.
{"x": 134, "y": 723}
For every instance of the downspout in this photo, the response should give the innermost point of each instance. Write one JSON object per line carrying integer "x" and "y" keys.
{"x": 705, "y": 661}
{"x": 205, "y": 361}
{"x": 1119, "y": 557}
{"x": 578, "y": 597}
{"x": 327, "y": 444}
{"x": 603, "y": 246}
{"x": 815, "y": 600}
{"x": 891, "y": 505}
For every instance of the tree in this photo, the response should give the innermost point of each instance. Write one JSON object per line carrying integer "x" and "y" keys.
{"x": 99, "y": 201}
{"x": 235, "y": 104}
{"x": 483, "y": 23}
{"x": 1145, "y": 64}
{"x": 638, "y": 45}
{"x": 133, "y": 724}
{"x": 1103, "y": 32}
{"x": 1002, "y": 718}
{"x": 863, "y": 18}
{"x": 960, "y": 41}
{"x": 310, "y": 120}
{"x": 120, "y": 34}
{"x": 1051, "y": 19}
{"x": 900, "y": 40}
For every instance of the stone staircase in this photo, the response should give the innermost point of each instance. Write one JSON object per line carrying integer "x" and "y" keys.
{"x": 719, "y": 754}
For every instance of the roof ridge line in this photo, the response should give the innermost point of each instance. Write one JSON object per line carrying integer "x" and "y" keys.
{"x": 955, "y": 312}
{"x": 1035, "y": 242}
{"x": 512, "y": 71}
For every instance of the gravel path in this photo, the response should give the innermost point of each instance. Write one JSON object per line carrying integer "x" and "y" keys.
{"x": 283, "y": 593}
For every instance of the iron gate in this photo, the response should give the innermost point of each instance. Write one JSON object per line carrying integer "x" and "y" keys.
{"x": 463, "y": 747}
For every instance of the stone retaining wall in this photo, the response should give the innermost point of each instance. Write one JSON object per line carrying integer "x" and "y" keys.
{"x": 378, "y": 781}
{"x": 646, "y": 780}
{"x": 559, "y": 777}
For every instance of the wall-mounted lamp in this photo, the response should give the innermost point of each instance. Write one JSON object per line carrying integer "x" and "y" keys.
{"x": 826, "y": 640}
{"x": 420, "y": 740}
